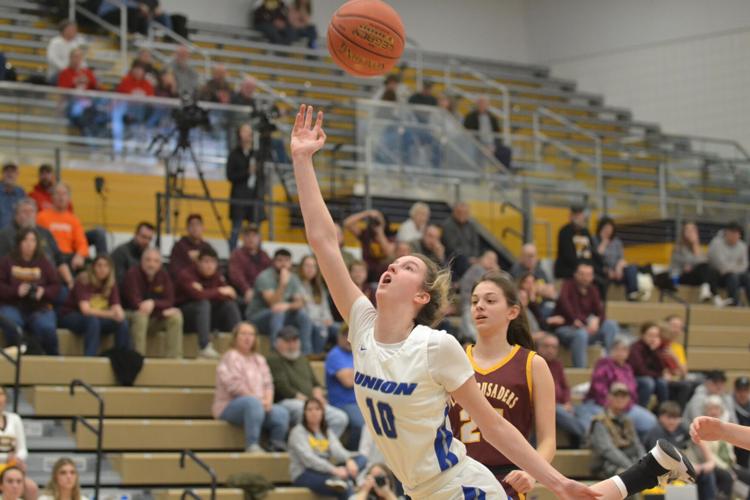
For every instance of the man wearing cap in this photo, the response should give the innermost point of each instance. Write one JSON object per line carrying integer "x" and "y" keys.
{"x": 742, "y": 413}
{"x": 247, "y": 262}
{"x": 294, "y": 381}
{"x": 727, "y": 256}
{"x": 185, "y": 251}
{"x": 10, "y": 194}
{"x": 714, "y": 385}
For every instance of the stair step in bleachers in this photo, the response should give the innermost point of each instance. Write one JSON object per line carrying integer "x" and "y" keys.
{"x": 727, "y": 316}
{"x": 635, "y": 313}
{"x": 712, "y": 358}
{"x": 719, "y": 336}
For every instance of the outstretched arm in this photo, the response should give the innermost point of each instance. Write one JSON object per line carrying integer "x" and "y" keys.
{"x": 712, "y": 429}
{"x": 319, "y": 227}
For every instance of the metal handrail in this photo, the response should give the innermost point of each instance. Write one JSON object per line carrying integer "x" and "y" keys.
{"x": 16, "y": 362}
{"x": 203, "y": 465}
{"x": 98, "y": 431}
{"x": 73, "y": 7}
{"x": 157, "y": 26}
{"x": 419, "y": 57}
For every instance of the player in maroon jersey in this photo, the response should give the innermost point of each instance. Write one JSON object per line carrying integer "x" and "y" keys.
{"x": 515, "y": 381}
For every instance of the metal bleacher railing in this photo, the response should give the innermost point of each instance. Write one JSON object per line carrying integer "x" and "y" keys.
{"x": 98, "y": 431}
{"x": 121, "y": 32}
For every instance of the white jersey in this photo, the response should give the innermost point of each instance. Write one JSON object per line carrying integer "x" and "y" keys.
{"x": 403, "y": 391}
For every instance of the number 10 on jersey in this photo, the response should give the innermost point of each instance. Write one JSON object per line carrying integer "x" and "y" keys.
{"x": 383, "y": 421}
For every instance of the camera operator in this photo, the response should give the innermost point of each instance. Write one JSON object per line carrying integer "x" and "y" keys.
{"x": 379, "y": 484}
{"x": 247, "y": 176}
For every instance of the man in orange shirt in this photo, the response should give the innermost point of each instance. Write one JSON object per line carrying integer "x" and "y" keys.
{"x": 65, "y": 227}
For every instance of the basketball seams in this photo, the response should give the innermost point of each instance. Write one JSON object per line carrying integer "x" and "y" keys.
{"x": 343, "y": 62}
{"x": 372, "y": 52}
{"x": 371, "y": 19}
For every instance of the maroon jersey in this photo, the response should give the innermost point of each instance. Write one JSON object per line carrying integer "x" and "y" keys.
{"x": 508, "y": 387}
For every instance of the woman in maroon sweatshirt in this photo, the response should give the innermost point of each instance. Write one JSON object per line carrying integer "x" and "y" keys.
{"x": 648, "y": 365}
{"x": 28, "y": 285}
{"x": 93, "y": 307}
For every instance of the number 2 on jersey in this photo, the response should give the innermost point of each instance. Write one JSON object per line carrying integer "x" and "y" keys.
{"x": 469, "y": 432}
{"x": 383, "y": 421}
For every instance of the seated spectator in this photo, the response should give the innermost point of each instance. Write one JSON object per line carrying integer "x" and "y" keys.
{"x": 393, "y": 86}
{"x": 448, "y": 103}
{"x": 317, "y": 460}
{"x": 317, "y": 304}
{"x": 185, "y": 252}
{"x": 461, "y": 240}
{"x": 277, "y": 301}
{"x": 690, "y": 262}
{"x": 486, "y": 263}
{"x": 302, "y": 26}
{"x": 28, "y": 287}
{"x": 129, "y": 254}
{"x": 166, "y": 85}
{"x": 186, "y": 77}
{"x": 647, "y": 365}
{"x": 538, "y": 324}
{"x": 12, "y": 484}
{"x": 413, "y": 228}
{"x": 244, "y": 392}
{"x": 340, "y": 385}
{"x": 60, "y": 46}
{"x": 727, "y": 256}
{"x": 358, "y": 274}
{"x": 713, "y": 385}
{"x": 672, "y": 353}
{"x": 217, "y": 89}
{"x": 147, "y": 60}
{"x": 614, "y": 441}
{"x": 10, "y": 194}
{"x": 582, "y": 310}
{"x": 574, "y": 244}
{"x": 549, "y": 348}
{"x": 93, "y": 308}
{"x": 528, "y": 262}
{"x": 606, "y": 372}
{"x": 64, "y": 483}
{"x": 65, "y": 227}
{"x": 346, "y": 254}
{"x": 247, "y": 262}
{"x": 742, "y": 414}
{"x": 430, "y": 246}
{"x": 206, "y": 301}
{"x": 148, "y": 295}
{"x": 271, "y": 18}
{"x": 425, "y": 96}
{"x": 727, "y": 471}
{"x": 612, "y": 251}
{"x": 76, "y": 75}
{"x": 294, "y": 381}
{"x": 245, "y": 95}
{"x": 376, "y": 239}
{"x": 247, "y": 176}
{"x": 135, "y": 82}
{"x": 13, "y": 451}
{"x": 379, "y": 483}
{"x": 487, "y": 129}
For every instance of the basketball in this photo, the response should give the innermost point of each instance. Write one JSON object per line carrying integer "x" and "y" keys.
{"x": 366, "y": 37}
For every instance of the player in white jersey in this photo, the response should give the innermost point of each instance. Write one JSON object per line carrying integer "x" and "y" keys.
{"x": 405, "y": 372}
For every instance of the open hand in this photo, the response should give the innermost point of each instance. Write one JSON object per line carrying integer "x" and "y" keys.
{"x": 306, "y": 138}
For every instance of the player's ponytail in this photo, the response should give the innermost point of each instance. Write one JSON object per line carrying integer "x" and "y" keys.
{"x": 437, "y": 283}
{"x": 518, "y": 329}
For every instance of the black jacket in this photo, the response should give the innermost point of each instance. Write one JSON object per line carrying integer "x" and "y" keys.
{"x": 238, "y": 174}
{"x": 575, "y": 244}
{"x": 471, "y": 122}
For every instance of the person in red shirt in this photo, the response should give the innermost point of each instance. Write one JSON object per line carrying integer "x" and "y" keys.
{"x": 76, "y": 75}
{"x": 135, "y": 82}
{"x": 247, "y": 262}
{"x": 82, "y": 110}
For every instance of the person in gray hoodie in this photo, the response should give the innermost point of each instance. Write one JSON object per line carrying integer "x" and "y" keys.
{"x": 714, "y": 385}
{"x": 727, "y": 255}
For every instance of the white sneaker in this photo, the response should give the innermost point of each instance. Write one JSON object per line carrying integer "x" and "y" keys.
{"x": 719, "y": 302}
{"x": 254, "y": 448}
{"x": 676, "y": 463}
{"x": 705, "y": 293}
{"x": 337, "y": 485}
{"x": 209, "y": 352}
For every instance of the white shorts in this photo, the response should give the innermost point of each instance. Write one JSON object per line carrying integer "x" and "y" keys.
{"x": 470, "y": 481}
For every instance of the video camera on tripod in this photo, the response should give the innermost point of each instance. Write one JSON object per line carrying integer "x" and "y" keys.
{"x": 189, "y": 115}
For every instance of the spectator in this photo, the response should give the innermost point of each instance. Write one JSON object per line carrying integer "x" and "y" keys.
{"x": 574, "y": 244}
{"x": 549, "y": 348}
{"x": 448, "y": 103}
{"x": 248, "y": 179}
{"x": 60, "y": 46}
{"x": 430, "y": 246}
{"x": 148, "y": 294}
{"x": 609, "y": 246}
{"x": 93, "y": 308}
{"x": 727, "y": 256}
{"x": 206, "y": 300}
{"x": 294, "y": 381}
{"x": 393, "y": 86}
{"x": 129, "y": 254}
{"x": 487, "y": 262}
{"x": 245, "y": 95}
{"x": 690, "y": 262}
{"x": 317, "y": 304}
{"x": 244, "y": 392}
{"x": 76, "y": 75}
{"x": 302, "y": 26}
{"x": 317, "y": 460}
{"x": 64, "y": 482}
{"x": 672, "y": 353}
{"x": 527, "y": 297}
{"x": 340, "y": 385}
{"x": 28, "y": 287}
{"x": 378, "y": 484}
{"x": 217, "y": 89}
{"x": 346, "y": 254}
{"x": 727, "y": 470}
{"x": 486, "y": 127}
{"x": 528, "y": 262}
{"x": 277, "y": 301}
{"x": 742, "y": 414}
{"x": 713, "y": 385}
{"x": 271, "y": 18}
{"x": 13, "y": 451}
{"x": 606, "y": 372}
{"x": 137, "y": 15}
{"x": 648, "y": 366}
{"x": 145, "y": 58}
{"x": 166, "y": 85}
{"x": 461, "y": 239}
{"x": 135, "y": 82}
{"x": 185, "y": 252}
{"x": 184, "y": 74}
{"x": 376, "y": 239}
{"x": 65, "y": 227}
{"x": 358, "y": 274}
{"x": 25, "y": 217}
{"x": 583, "y": 314}
{"x": 10, "y": 194}
{"x": 247, "y": 262}
{"x": 413, "y": 228}
{"x": 12, "y": 483}
{"x": 614, "y": 441}
{"x": 425, "y": 97}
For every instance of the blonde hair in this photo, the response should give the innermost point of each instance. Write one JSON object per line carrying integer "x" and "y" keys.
{"x": 236, "y": 331}
{"x": 437, "y": 283}
{"x": 89, "y": 277}
{"x": 420, "y": 205}
{"x": 52, "y": 486}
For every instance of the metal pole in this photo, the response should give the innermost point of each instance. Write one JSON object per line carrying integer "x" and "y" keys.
{"x": 599, "y": 171}
{"x": 271, "y": 224}
{"x": 537, "y": 139}
{"x": 58, "y": 163}
{"x": 124, "y": 38}
{"x": 528, "y": 216}
{"x": 506, "y": 117}
{"x": 71, "y": 10}
{"x": 662, "y": 191}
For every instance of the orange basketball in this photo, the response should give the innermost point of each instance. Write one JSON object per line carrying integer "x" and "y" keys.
{"x": 366, "y": 37}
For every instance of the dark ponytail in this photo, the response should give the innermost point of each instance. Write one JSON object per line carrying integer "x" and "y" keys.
{"x": 518, "y": 329}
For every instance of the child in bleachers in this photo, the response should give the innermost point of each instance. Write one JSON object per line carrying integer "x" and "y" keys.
{"x": 672, "y": 353}
{"x": 64, "y": 483}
